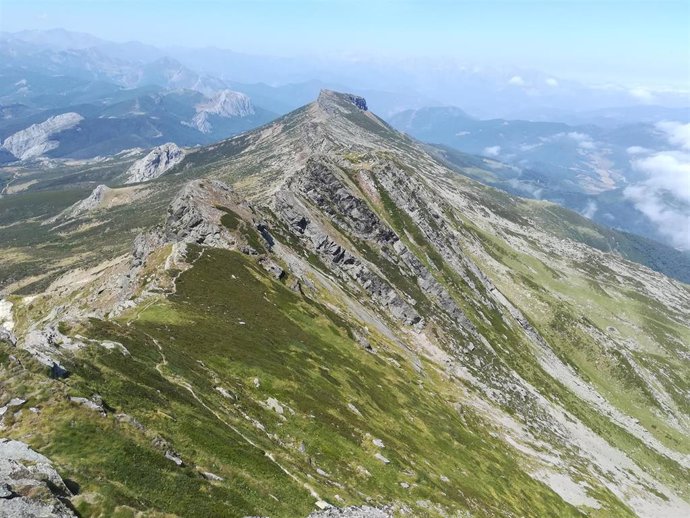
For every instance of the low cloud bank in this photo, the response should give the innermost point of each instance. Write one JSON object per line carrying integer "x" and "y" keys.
{"x": 664, "y": 196}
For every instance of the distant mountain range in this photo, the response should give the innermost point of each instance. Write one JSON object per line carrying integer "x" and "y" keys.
{"x": 72, "y": 95}
{"x": 120, "y": 104}
{"x": 122, "y": 119}
{"x": 129, "y": 95}
{"x": 396, "y": 85}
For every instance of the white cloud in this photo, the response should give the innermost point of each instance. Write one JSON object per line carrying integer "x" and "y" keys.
{"x": 664, "y": 197}
{"x": 637, "y": 150}
{"x": 551, "y": 82}
{"x": 642, "y": 94}
{"x": 583, "y": 140}
{"x": 675, "y": 224}
{"x": 677, "y": 133}
{"x": 492, "y": 151}
{"x": 577, "y": 137}
{"x": 516, "y": 81}
{"x": 526, "y": 187}
{"x": 590, "y": 209}
{"x": 586, "y": 144}
{"x": 668, "y": 170}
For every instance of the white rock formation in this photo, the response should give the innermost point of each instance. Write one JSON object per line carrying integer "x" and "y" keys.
{"x": 93, "y": 201}
{"x": 225, "y": 103}
{"x": 157, "y": 162}
{"x": 6, "y": 318}
{"x": 35, "y": 140}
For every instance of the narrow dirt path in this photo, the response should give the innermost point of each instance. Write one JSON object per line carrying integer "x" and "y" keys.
{"x": 160, "y": 366}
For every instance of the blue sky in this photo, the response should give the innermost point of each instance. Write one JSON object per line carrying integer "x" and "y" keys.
{"x": 634, "y": 42}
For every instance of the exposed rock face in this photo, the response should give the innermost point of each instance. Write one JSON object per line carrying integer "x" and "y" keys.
{"x": 47, "y": 345}
{"x": 29, "y": 485}
{"x": 342, "y": 259}
{"x": 7, "y": 322}
{"x": 157, "y": 162}
{"x": 331, "y": 101}
{"x": 225, "y": 103}
{"x": 35, "y": 140}
{"x": 7, "y": 336}
{"x": 353, "y": 512}
{"x": 320, "y": 184}
{"x": 194, "y": 217}
{"x": 11, "y": 404}
{"x": 94, "y": 200}
{"x": 359, "y": 102}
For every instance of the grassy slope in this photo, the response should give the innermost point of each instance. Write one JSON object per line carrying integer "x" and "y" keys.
{"x": 561, "y": 323}
{"x": 561, "y": 305}
{"x": 305, "y": 359}
{"x": 568, "y": 223}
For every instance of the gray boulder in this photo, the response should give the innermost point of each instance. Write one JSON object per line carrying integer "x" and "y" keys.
{"x": 29, "y": 485}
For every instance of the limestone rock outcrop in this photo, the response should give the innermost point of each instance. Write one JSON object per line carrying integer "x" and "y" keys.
{"x": 158, "y": 161}
{"x": 29, "y": 484}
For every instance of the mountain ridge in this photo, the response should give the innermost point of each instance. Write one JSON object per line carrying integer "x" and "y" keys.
{"x": 353, "y": 322}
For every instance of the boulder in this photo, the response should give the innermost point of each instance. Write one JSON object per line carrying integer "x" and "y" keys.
{"x": 95, "y": 403}
{"x": 272, "y": 267}
{"x": 382, "y": 458}
{"x": 29, "y": 485}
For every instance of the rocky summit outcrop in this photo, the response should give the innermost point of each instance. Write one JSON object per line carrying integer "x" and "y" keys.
{"x": 225, "y": 103}
{"x": 37, "y": 139}
{"x": 194, "y": 216}
{"x": 359, "y": 102}
{"x": 331, "y": 101}
{"x": 29, "y": 484}
{"x": 158, "y": 161}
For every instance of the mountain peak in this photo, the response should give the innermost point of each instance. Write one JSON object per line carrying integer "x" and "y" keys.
{"x": 329, "y": 99}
